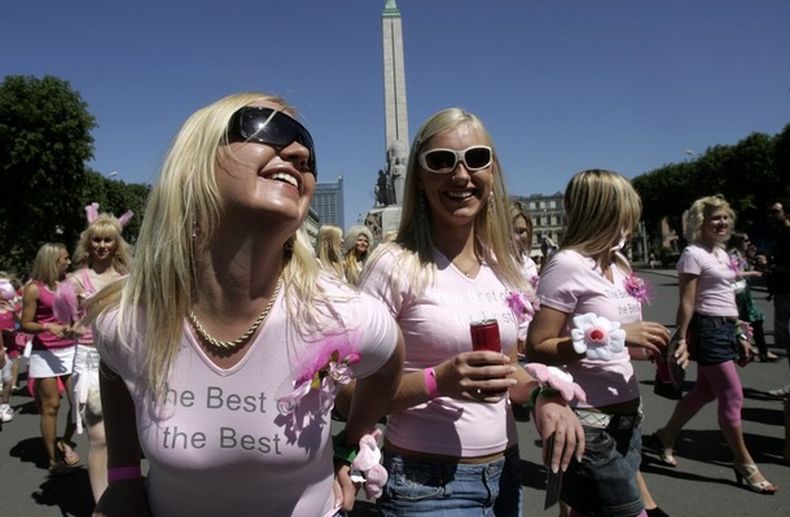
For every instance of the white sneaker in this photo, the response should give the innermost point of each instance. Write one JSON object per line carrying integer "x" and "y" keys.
{"x": 780, "y": 392}
{"x": 6, "y": 413}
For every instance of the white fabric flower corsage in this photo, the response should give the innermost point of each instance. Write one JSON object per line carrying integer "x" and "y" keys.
{"x": 597, "y": 337}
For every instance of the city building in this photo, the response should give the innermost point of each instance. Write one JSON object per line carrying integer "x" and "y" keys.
{"x": 548, "y": 218}
{"x": 328, "y": 203}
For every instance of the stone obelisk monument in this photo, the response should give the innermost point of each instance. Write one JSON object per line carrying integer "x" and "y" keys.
{"x": 384, "y": 219}
{"x": 397, "y": 120}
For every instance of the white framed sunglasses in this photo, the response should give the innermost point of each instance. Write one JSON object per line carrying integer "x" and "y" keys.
{"x": 443, "y": 161}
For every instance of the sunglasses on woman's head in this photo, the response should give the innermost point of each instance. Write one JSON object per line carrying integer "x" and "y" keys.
{"x": 443, "y": 161}
{"x": 270, "y": 127}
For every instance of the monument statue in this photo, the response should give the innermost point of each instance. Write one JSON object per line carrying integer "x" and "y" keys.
{"x": 396, "y": 171}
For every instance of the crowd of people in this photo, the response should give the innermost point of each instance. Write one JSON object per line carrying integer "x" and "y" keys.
{"x": 222, "y": 352}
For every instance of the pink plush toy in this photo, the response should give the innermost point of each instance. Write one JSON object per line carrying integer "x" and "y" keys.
{"x": 553, "y": 377}
{"x": 367, "y": 467}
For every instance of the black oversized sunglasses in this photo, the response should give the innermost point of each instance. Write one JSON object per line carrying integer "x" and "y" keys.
{"x": 270, "y": 127}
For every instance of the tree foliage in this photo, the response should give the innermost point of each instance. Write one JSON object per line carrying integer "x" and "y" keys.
{"x": 45, "y": 142}
{"x": 749, "y": 174}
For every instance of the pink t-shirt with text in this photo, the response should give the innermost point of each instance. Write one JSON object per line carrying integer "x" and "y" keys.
{"x": 219, "y": 446}
{"x": 574, "y": 284}
{"x": 715, "y": 296}
{"x": 435, "y": 327}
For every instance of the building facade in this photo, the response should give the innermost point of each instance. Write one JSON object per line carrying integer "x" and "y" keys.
{"x": 548, "y": 218}
{"x": 328, "y": 203}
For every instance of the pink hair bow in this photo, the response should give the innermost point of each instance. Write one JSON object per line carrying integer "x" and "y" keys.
{"x": 367, "y": 467}
{"x": 92, "y": 211}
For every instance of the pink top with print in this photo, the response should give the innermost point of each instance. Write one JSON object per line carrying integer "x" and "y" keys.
{"x": 574, "y": 284}
{"x": 44, "y": 314}
{"x": 435, "y": 328}
{"x": 715, "y": 296}
{"x": 220, "y": 446}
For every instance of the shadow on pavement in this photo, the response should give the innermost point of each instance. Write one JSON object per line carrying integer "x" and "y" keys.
{"x": 70, "y": 493}
{"x": 31, "y": 450}
{"x": 764, "y": 416}
{"x": 708, "y": 446}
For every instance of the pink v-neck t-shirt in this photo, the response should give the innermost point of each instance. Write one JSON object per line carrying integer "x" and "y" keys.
{"x": 715, "y": 295}
{"x": 574, "y": 284}
{"x": 219, "y": 446}
{"x": 435, "y": 327}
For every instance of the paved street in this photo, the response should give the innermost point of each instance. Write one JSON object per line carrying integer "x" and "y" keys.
{"x": 703, "y": 484}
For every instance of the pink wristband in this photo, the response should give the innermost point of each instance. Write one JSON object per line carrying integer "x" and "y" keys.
{"x": 121, "y": 473}
{"x": 430, "y": 382}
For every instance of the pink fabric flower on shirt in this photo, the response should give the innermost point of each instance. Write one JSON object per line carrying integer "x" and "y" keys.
{"x": 737, "y": 265}
{"x": 523, "y": 304}
{"x": 560, "y": 380}
{"x": 637, "y": 288}
{"x": 330, "y": 367}
{"x": 367, "y": 467}
{"x": 597, "y": 337}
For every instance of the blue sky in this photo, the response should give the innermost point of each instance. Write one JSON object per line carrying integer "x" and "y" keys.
{"x": 561, "y": 85}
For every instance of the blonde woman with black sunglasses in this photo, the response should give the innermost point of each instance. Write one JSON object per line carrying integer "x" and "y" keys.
{"x": 225, "y": 347}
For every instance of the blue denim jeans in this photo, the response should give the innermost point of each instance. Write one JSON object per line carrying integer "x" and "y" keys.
{"x": 604, "y": 483}
{"x": 423, "y": 488}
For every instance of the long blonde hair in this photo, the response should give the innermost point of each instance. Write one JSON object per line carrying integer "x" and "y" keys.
{"x": 329, "y": 248}
{"x": 601, "y": 207}
{"x": 181, "y": 217}
{"x": 45, "y": 265}
{"x": 353, "y": 264}
{"x": 702, "y": 209}
{"x": 106, "y": 225}
{"x": 492, "y": 225}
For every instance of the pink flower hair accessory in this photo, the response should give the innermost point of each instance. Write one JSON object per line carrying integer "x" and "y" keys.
{"x": 557, "y": 379}
{"x": 366, "y": 467}
{"x": 638, "y": 288}
{"x": 523, "y": 304}
{"x": 597, "y": 337}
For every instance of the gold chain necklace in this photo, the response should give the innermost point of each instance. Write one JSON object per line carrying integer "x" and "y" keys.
{"x": 229, "y": 345}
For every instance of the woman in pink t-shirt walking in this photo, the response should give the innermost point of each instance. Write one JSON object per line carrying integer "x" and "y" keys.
{"x": 708, "y": 315}
{"x": 590, "y": 322}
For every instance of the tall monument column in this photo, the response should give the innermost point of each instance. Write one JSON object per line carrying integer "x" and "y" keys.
{"x": 396, "y": 116}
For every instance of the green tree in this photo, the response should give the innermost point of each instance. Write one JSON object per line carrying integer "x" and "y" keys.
{"x": 45, "y": 142}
